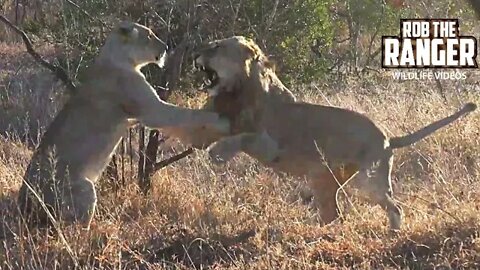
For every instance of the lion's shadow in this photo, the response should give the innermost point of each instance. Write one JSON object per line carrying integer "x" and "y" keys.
{"x": 192, "y": 251}
{"x": 418, "y": 250}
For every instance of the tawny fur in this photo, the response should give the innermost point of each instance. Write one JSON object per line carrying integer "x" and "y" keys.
{"x": 297, "y": 137}
{"x": 79, "y": 142}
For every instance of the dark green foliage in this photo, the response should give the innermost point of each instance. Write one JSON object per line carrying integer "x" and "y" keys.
{"x": 310, "y": 39}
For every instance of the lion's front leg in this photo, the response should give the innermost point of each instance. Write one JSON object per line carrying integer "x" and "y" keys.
{"x": 225, "y": 149}
{"x": 146, "y": 107}
{"x": 261, "y": 146}
{"x": 258, "y": 145}
{"x": 198, "y": 137}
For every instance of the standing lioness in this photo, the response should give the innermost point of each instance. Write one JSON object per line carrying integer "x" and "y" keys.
{"x": 297, "y": 137}
{"x": 80, "y": 141}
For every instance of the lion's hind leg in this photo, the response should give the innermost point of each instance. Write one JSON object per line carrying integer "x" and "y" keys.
{"x": 36, "y": 204}
{"x": 376, "y": 183}
{"x": 325, "y": 187}
{"x": 324, "y": 190}
{"x": 79, "y": 202}
{"x": 71, "y": 202}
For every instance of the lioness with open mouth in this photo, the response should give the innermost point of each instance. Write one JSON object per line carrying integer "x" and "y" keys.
{"x": 294, "y": 137}
{"x": 60, "y": 179}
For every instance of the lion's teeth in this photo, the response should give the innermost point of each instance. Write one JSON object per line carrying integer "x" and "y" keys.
{"x": 207, "y": 81}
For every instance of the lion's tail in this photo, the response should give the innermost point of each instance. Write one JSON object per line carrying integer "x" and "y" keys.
{"x": 399, "y": 142}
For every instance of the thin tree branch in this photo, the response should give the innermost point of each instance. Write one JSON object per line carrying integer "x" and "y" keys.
{"x": 476, "y": 7}
{"x": 375, "y": 53}
{"x": 85, "y": 12}
{"x": 59, "y": 72}
{"x": 164, "y": 163}
{"x": 374, "y": 36}
{"x": 341, "y": 40}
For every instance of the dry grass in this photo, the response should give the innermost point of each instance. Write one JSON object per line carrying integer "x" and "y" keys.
{"x": 27, "y": 92}
{"x": 243, "y": 216}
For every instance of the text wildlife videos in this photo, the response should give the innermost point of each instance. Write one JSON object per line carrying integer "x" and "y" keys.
{"x": 429, "y": 43}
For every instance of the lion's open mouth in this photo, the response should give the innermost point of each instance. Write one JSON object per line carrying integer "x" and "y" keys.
{"x": 210, "y": 76}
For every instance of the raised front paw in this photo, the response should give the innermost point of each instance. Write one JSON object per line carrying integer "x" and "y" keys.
{"x": 221, "y": 152}
{"x": 222, "y": 125}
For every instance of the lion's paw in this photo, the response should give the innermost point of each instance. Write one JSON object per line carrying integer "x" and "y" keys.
{"x": 221, "y": 152}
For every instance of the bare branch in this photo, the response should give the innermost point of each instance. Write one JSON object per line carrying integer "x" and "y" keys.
{"x": 85, "y": 12}
{"x": 59, "y": 72}
{"x": 164, "y": 163}
{"x": 376, "y": 52}
{"x": 476, "y": 6}
{"x": 341, "y": 40}
{"x": 374, "y": 36}
{"x": 272, "y": 16}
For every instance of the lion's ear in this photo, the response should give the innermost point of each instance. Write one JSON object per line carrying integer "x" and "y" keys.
{"x": 127, "y": 29}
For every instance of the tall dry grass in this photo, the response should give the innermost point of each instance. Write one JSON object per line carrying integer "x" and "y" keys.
{"x": 244, "y": 216}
